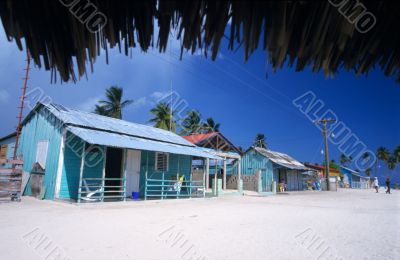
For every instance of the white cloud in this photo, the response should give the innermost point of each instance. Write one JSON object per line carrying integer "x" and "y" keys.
{"x": 157, "y": 95}
{"x": 4, "y": 96}
{"x": 89, "y": 104}
{"x": 140, "y": 102}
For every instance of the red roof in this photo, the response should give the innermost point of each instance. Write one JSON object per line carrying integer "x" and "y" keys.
{"x": 197, "y": 138}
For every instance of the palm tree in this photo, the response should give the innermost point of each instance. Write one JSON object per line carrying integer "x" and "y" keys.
{"x": 114, "y": 105}
{"x": 100, "y": 110}
{"x": 396, "y": 153}
{"x": 259, "y": 141}
{"x": 368, "y": 172}
{"x": 192, "y": 123}
{"x": 383, "y": 154}
{"x": 344, "y": 160}
{"x": 391, "y": 163}
{"x": 163, "y": 117}
{"x": 210, "y": 126}
{"x": 365, "y": 156}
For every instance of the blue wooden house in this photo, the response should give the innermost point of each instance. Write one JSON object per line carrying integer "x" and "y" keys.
{"x": 353, "y": 179}
{"x": 75, "y": 155}
{"x": 274, "y": 167}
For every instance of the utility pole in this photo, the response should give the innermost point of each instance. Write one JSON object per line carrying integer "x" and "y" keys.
{"x": 325, "y": 122}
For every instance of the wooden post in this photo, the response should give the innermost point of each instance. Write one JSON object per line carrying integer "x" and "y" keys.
{"x": 216, "y": 177}
{"x": 83, "y": 154}
{"x": 204, "y": 177}
{"x": 103, "y": 177}
{"x": 145, "y": 185}
{"x": 124, "y": 172}
{"x": 190, "y": 184}
{"x": 207, "y": 173}
{"x": 60, "y": 163}
{"x": 146, "y": 173}
{"x": 177, "y": 181}
{"x": 239, "y": 174}
{"x": 224, "y": 175}
{"x": 162, "y": 186}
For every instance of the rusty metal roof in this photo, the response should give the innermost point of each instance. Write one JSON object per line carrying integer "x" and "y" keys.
{"x": 281, "y": 159}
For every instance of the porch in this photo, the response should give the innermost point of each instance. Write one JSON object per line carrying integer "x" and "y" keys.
{"x": 97, "y": 173}
{"x": 289, "y": 179}
{"x": 139, "y": 175}
{"x": 222, "y": 176}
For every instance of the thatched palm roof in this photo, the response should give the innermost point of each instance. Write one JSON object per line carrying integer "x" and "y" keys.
{"x": 299, "y": 33}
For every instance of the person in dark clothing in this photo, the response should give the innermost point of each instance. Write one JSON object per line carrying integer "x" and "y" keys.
{"x": 387, "y": 186}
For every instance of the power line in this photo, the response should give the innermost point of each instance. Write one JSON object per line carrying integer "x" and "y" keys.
{"x": 249, "y": 86}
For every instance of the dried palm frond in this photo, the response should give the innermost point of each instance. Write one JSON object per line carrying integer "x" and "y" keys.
{"x": 297, "y": 33}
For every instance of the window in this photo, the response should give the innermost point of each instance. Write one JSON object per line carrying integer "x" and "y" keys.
{"x": 162, "y": 162}
{"x": 41, "y": 153}
{"x": 3, "y": 151}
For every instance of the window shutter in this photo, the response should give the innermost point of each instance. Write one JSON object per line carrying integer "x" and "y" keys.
{"x": 41, "y": 153}
{"x": 162, "y": 162}
{"x": 3, "y": 151}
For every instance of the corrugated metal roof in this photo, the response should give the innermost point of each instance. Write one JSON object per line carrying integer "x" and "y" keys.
{"x": 130, "y": 142}
{"x": 201, "y": 139}
{"x": 8, "y": 136}
{"x": 281, "y": 159}
{"x": 197, "y": 138}
{"x": 353, "y": 172}
{"x": 94, "y": 121}
{"x": 101, "y": 130}
{"x": 221, "y": 154}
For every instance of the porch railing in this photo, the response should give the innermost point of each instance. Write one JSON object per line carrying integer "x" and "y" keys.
{"x": 359, "y": 185}
{"x": 167, "y": 188}
{"x": 97, "y": 189}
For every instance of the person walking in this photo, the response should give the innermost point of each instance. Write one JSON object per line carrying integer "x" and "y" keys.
{"x": 376, "y": 184}
{"x": 387, "y": 186}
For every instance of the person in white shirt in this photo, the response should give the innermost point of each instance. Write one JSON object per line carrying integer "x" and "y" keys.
{"x": 376, "y": 184}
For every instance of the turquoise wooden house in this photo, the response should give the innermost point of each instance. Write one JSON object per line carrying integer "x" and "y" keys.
{"x": 75, "y": 155}
{"x": 274, "y": 168}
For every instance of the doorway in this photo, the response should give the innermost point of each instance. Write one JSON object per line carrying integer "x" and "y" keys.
{"x": 132, "y": 171}
{"x": 282, "y": 176}
{"x": 113, "y": 169}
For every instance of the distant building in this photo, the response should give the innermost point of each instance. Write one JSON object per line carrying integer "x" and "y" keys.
{"x": 353, "y": 179}
{"x": 275, "y": 167}
{"x": 7, "y": 144}
{"x": 320, "y": 169}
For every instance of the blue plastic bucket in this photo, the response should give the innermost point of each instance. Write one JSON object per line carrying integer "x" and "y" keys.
{"x": 135, "y": 195}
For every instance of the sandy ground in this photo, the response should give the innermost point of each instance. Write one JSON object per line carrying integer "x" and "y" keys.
{"x": 349, "y": 224}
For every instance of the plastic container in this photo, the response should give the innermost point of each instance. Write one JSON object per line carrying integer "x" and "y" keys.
{"x": 135, "y": 195}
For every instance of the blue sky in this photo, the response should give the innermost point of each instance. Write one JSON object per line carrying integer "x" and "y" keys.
{"x": 246, "y": 98}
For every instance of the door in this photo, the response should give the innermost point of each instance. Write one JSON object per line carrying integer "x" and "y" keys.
{"x": 266, "y": 180}
{"x": 132, "y": 171}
